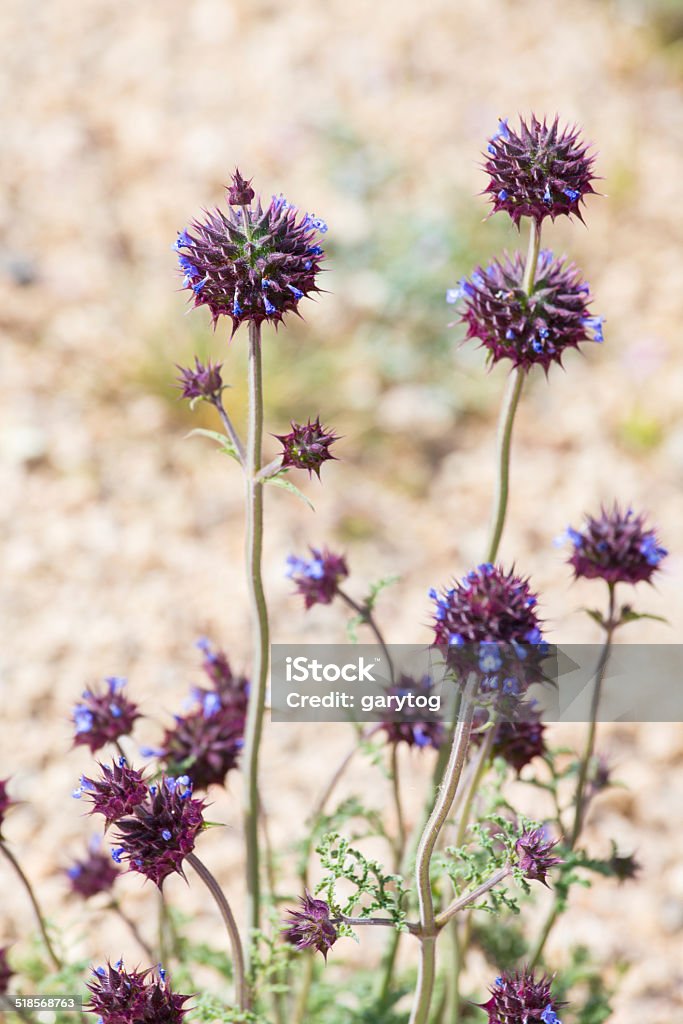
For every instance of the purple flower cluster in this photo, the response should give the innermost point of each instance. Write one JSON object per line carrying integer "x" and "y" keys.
{"x": 134, "y": 997}
{"x": 103, "y": 717}
{"x": 529, "y": 330}
{"x": 116, "y": 793}
{"x": 160, "y": 831}
{"x": 311, "y": 926}
{"x": 615, "y": 546}
{"x": 93, "y": 874}
{"x": 535, "y": 856}
{"x": 518, "y": 739}
{"x": 251, "y": 264}
{"x": 205, "y": 743}
{"x": 410, "y": 729}
{"x": 307, "y": 446}
{"x": 317, "y": 579}
{"x": 485, "y": 608}
{"x": 521, "y": 998}
{"x": 540, "y": 171}
{"x": 201, "y": 381}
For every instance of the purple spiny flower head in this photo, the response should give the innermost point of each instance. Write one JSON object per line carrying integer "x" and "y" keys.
{"x": 116, "y": 793}
{"x": 488, "y": 606}
{"x": 251, "y": 264}
{"x": 133, "y": 997}
{"x": 535, "y": 856}
{"x": 231, "y": 690}
{"x": 520, "y": 998}
{"x": 412, "y": 728}
{"x": 161, "y": 831}
{"x": 5, "y": 802}
{"x": 317, "y": 579}
{"x": 529, "y": 330}
{"x": 240, "y": 192}
{"x": 94, "y": 874}
{"x": 518, "y": 742}
{"x": 615, "y": 546}
{"x": 6, "y": 971}
{"x": 311, "y": 926}
{"x": 202, "y": 381}
{"x": 204, "y": 744}
{"x": 103, "y": 717}
{"x": 307, "y": 446}
{"x": 541, "y": 171}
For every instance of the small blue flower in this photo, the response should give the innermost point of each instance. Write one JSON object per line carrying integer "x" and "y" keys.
{"x": 211, "y": 704}
{"x": 83, "y": 719}
{"x": 296, "y": 292}
{"x": 236, "y": 308}
{"x": 166, "y": 835}
{"x": 502, "y": 195}
{"x": 453, "y": 295}
{"x": 571, "y": 194}
{"x": 549, "y": 1016}
{"x": 652, "y": 551}
{"x": 547, "y": 196}
{"x": 117, "y": 853}
{"x": 183, "y": 239}
{"x": 269, "y": 307}
{"x": 489, "y": 657}
{"x": 316, "y": 250}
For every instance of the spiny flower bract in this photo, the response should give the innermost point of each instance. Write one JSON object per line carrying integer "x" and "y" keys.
{"x": 540, "y": 171}
{"x": 307, "y": 446}
{"x": 535, "y": 854}
{"x": 134, "y": 997}
{"x": 615, "y": 546}
{"x": 249, "y": 263}
{"x": 201, "y": 381}
{"x": 92, "y": 874}
{"x": 529, "y": 330}
{"x": 311, "y": 926}
{"x": 102, "y": 717}
{"x": 116, "y": 793}
{"x": 317, "y": 579}
{"x": 519, "y": 739}
{"x": 161, "y": 831}
{"x": 521, "y": 998}
{"x": 411, "y": 728}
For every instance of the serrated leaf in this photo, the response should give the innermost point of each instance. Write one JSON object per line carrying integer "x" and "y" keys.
{"x": 287, "y": 485}
{"x": 222, "y": 440}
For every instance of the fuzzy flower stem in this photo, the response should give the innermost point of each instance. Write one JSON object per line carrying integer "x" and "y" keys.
{"x": 374, "y": 922}
{"x": 259, "y": 613}
{"x": 34, "y": 903}
{"x": 580, "y": 800}
{"x": 428, "y": 841}
{"x": 367, "y": 618}
{"x": 471, "y": 897}
{"x": 133, "y": 929}
{"x": 400, "y": 843}
{"x": 214, "y": 888}
{"x": 508, "y": 410}
{"x": 230, "y": 429}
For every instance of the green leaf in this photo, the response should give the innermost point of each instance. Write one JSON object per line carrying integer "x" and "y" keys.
{"x": 222, "y": 440}
{"x": 628, "y": 615}
{"x": 596, "y": 615}
{"x": 280, "y": 481}
{"x": 377, "y": 588}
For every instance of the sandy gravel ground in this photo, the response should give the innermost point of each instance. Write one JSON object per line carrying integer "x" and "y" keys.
{"x": 122, "y": 541}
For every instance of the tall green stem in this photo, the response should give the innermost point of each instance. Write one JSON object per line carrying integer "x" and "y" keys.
{"x": 214, "y": 888}
{"x": 580, "y": 796}
{"x": 508, "y": 410}
{"x": 259, "y": 615}
{"x": 428, "y": 841}
{"x": 34, "y": 903}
